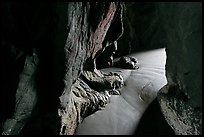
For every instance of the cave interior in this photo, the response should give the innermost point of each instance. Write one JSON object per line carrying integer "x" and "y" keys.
{"x": 101, "y": 68}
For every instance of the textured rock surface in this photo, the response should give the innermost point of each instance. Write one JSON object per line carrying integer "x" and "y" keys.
{"x": 43, "y": 26}
{"x": 127, "y": 63}
{"x": 105, "y": 59}
{"x": 26, "y": 97}
{"x": 84, "y": 44}
{"x": 183, "y": 118}
{"x": 182, "y": 103}
{"x": 122, "y": 115}
{"x": 84, "y": 99}
{"x": 176, "y": 26}
{"x": 93, "y": 31}
{"x": 25, "y": 80}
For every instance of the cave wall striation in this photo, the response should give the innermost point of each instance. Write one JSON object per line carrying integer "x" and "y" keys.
{"x": 54, "y": 47}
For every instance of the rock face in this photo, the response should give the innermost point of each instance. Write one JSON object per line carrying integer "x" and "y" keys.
{"x": 142, "y": 28}
{"x": 26, "y": 60}
{"x": 180, "y": 99}
{"x": 176, "y": 26}
{"x": 86, "y": 40}
{"x": 182, "y": 117}
{"x": 26, "y": 97}
{"x": 67, "y": 63}
{"x": 127, "y": 63}
{"x": 50, "y": 54}
{"x": 87, "y": 95}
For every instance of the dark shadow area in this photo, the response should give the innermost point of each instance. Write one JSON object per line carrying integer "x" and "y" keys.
{"x": 144, "y": 26}
{"x": 142, "y": 29}
{"x": 45, "y": 119}
{"x": 153, "y": 122}
{"x": 25, "y": 27}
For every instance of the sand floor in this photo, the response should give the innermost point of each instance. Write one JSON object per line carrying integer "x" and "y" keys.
{"x": 121, "y": 116}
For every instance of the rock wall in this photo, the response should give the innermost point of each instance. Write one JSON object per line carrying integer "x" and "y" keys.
{"x": 181, "y": 98}
{"x": 88, "y": 25}
{"x": 45, "y": 49}
{"x": 142, "y": 28}
{"x": 177, "y": 27}
{"x": 28, "y": 32}
{"x": 48, "y": 48}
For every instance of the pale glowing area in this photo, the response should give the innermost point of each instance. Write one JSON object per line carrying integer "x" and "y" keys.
{"x": 122, "y": 115}
{"x": 156, "y": 57}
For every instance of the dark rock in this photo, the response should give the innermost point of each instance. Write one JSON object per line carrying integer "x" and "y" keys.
{"x": 73, "y": 38}
{"x": 142, "y": 28}
{"x": 90, "y": 93}
{"x": 183, "y": 118}
{"x": 127, "y": 63}
{"x": 26, "y": 98}
{"x": 105, "y": 59}
{"x": 181, "y": 98}
{"x": 28, "y": 26}
{"x": 84, "y": 44}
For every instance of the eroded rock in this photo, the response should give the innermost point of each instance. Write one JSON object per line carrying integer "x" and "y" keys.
{"x": 180, "y": 115}
{"x": 25, "y": 97}
{"x": 91, "y": 92}
{"x": 127, "y": 63}
{"x": 68, "y": 37}
{"x": 88, "y": 26}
